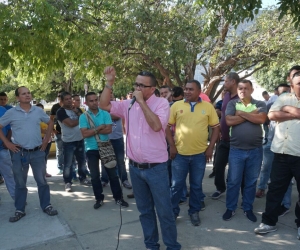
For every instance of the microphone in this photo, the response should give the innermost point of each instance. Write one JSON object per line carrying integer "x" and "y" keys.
{"x": 132, "y": 102}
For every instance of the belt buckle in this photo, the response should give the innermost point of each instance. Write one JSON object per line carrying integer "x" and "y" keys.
{"x": 138, "y": 166}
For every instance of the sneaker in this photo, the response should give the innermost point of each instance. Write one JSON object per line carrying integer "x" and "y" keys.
{"x": 202, "y": 205}
{"x": 283, "y": 211}
{"x": 104, "y": 184}
{"x": 250, "y": 215}
{"x": 213, "y": 174}
{"x": 127, "y": 185}
{"x": 130, "y": 196}
{"x": 264, "y": 228}
{"x": 181, "y": 202}
{"x": 98, "y": 204}
{"x": 86, "y": 182}
{"x": 298, "y": 234}
{"x": 260, "y": 193}
{"x": 195, "y": 219}
{"x": 228, "y": 215}
{"x": 68, "y": 187}
{"x": 122, "y": 203}
{"x": 216, "y": 195}
{"x": 50, "y": 211}
{"x": 60, "y": 172}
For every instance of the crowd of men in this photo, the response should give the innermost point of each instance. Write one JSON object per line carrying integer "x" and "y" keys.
{"x": 169, "y": 137}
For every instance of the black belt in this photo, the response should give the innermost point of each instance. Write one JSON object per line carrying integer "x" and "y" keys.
{"x": 142, "y": 165}
{"x": 29, "y": 150}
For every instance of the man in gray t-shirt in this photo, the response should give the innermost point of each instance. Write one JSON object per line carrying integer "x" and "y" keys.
{"x": 27, "y": 148}
{"x": 245, "y": 117}
{"x": 73, "y": 144}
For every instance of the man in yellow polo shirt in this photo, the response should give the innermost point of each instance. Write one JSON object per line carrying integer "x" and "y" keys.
{"x": 189, "y": 149}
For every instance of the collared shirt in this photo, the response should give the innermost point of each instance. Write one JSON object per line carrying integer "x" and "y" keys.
{"x": 224, "y": 127}
{"x": 192, "y": 121}
{"x": 25, "y": 126}
{"x": 117, "y": 130}
{"x": 287, "y": 137}
{"x": 144, "y": 145}
{"x": 246, "y": 135}
{"x": 4, "y": 129}
{"x": 102, "y": 117}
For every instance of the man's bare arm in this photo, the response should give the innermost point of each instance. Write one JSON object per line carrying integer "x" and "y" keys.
{"x": 13, "y": 147}
{"x": 110, "y": 75}
{"x": 280, "y": 116}
{"x": 170, "y": 140}
{"x": 151, "y": 118}
{"x": 291, "y": 110}
{"x": 70, "y": 123}
{"x": 102, "y": 129}
{"x": 233, "y": 120}
{"x": 257, "y": 118}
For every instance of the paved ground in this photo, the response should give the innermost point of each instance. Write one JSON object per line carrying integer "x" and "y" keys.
{"x": 78, "y": 226}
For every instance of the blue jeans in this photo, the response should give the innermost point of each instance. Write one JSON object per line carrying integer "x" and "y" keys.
{"x": 181, "y": 166}
{"x": 59, "y": 151}
{"x": 20, "y": 167}
{"x": 118, "y": 146}
{"x": 6, "y": 171}
{"x": 247, "y": 163}
{"x": 93, "y": 158}
{"x": 151, "y": 188}
{"x": 266, "y": 167}
{"x": 71, "y": 149}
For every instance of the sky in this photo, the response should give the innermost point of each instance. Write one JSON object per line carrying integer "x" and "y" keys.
{"x": 266, "y": 3}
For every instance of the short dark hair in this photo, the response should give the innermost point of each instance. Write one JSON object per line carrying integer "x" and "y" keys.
{"x": 89, "y": 93}
{"x": 75, "y": 95}
{"x": 3, "y": 94}
{"x": 153, "y": 80}
{"x": 265, "y": 93}
{"x": 247, "y": 81}
{"x": 165, "y": 87}
{"x": 156, "y": 92}
{"x": 296, "y": 67}
{"x": 64, "y": 94}
{"x": 177, "y": 91}
{"x": 40, "y": 105}
{"x": 196, "y": 82}
{"x": 233, "y": 76}
{"x": 17, "y": 90}
{"x": 283, "y": 85}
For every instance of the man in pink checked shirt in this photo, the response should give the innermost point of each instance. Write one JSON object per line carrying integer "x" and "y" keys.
{"x": 146, "y": 147}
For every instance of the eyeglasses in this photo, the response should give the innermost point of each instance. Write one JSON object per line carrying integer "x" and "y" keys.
{"x": 296, "y": 74}
{"x": 140, "y": 85}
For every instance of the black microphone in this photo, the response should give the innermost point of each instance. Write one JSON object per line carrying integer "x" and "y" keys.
{"x": 132, "y": 102}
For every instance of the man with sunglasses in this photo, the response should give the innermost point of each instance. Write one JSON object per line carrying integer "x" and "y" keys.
{"x": 286, "y": 112}
{"x": 146, "y": 147}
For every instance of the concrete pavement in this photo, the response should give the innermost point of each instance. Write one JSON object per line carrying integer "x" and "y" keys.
{"x": 78, "y": 226}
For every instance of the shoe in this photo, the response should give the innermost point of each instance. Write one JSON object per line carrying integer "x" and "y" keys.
{"x": 260, "y": 193}
{"x": 216, "y": 195}
{"x": 98, "y": 204}
{"x": 250, "y": 215}
{"x": 60, "y": 172}
{"x": 1, "y": 180}
{"x": 264, "y": 228}
{"x": 18, "y": 215}
{"x": 195, "y": 219}
{"x": 213, "y": 174}
{"x": 130, "y": 196}
{"x": 181, "y": 202}
{"x": 122, "y": 203}
{"x": 298, "y": 234}
{"x": 104, "y": 184}
{"x": 50, "y": 211}
{"x": 202, "y": 206}
{"x": 283, "y": 211}
{"x": 48, "y": 175}
{"x": 68, "y": 187}
{"x": 228, "y": 215}
{"x": 127, "y": 185}
{"x": 86, "y": 182}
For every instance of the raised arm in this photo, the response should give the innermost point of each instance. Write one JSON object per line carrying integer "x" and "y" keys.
{"x": 110, "y": 75}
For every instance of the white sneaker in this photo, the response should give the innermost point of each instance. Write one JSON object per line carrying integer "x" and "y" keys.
{"x": 68, "y": 187}
{"x": 264, "y": 228}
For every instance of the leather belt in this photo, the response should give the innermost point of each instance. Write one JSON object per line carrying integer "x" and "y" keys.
{"x": 142, "y": 165}
{"x": 29, "y": 150}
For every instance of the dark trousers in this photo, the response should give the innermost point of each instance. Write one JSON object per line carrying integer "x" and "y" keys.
{"x": 221, "y": 161}
{"x": 284, "y": 168}
{"x": 93, "y": 158}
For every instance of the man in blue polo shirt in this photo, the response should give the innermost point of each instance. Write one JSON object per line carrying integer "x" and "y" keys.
{"x": 103, "y": 127}
{"x": 27, "y": 148}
